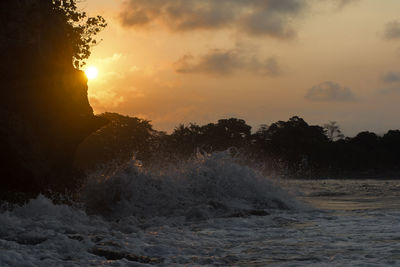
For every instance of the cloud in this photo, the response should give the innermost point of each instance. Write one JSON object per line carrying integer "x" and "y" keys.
{"x": 389, "y": 91}
{"x": 115, "y": 57}
{"x": 272, "y": 18}
{"x": 330, "y": 92}
{"x": 391, "y": 77}
{"x": 392, "y": 30}
{"x": 343, "y": 3}
{"x": 225, "y": 62}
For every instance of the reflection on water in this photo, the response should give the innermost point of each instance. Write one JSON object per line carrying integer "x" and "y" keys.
{"x": 350, "y": 194}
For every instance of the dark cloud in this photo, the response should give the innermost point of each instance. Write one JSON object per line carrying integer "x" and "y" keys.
{"x": 389, "y": 91}
{"x": 225, "y": 62}
{"x": 391, "y": 77}
{"x": 268, "y": 67}
{"x": 330, "y": 92}
{"x": 343, "y": 3}
{"x": 392, "y": 30}
{"x": 254, "y": 17}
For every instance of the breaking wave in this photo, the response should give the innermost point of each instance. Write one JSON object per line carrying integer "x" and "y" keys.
{"x": 135, "y": 216}
{"x": 209, "y": 186}
{"x": 210, "y": 211}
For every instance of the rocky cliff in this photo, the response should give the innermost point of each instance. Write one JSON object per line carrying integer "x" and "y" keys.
{"x": 44, "y": 109}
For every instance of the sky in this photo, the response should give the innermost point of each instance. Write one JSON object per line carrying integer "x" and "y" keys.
{"x": 181, "y": 61}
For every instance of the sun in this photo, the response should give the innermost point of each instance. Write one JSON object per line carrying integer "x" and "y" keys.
{"x": 91, "y": 73}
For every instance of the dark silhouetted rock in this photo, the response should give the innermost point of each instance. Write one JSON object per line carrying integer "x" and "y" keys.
{"x": 119, "y": 255}
{"x": 44, "y": 111}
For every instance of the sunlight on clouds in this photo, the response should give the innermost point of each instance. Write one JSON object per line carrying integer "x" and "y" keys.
{"x": 106, "y": 100}
{"x": 236, "y": 67}
{"x": 134, "y": 68}
{"x": 108, "y": 60}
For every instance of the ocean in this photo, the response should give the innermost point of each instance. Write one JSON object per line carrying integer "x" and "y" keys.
{"x": 208, "y": 212}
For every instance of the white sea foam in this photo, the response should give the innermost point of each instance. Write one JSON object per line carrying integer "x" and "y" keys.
{"x": 197, "y": 216}
{"x": 210, "y": 186}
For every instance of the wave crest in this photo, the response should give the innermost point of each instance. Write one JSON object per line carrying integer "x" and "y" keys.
{"x": 209, "y": 186}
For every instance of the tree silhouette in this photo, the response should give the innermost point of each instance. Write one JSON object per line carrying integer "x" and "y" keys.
{"x": 185, "y": 140}
{"x": 294, "y": 143}
{"x": 117, "y": 142}
{"x": 81, "y": 30}
{"x": 226, "y": 133}
{"x": 332, "y": 130}
{"x": 391, "y": 145}
{"x": 292, "y": 148}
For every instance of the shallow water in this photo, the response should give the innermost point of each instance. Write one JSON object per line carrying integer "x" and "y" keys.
{"x": 323, "y": 223}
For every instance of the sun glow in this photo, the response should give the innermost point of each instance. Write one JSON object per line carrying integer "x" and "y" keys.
{"x": 91, "y": 73}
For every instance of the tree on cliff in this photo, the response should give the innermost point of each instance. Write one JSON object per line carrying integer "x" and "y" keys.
{"x": 44, "y": 112}
{"x": 81, "y": 30}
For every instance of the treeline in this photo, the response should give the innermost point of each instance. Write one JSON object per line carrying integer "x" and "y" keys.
{"x": 290, "y": 148}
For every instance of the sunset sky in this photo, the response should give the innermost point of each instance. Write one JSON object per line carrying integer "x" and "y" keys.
{"x": 180, "y": 61}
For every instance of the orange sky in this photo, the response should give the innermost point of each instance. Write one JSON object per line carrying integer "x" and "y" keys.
{"x": 174, "y": 61}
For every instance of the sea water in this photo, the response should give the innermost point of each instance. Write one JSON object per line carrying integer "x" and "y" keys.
{"x": 210, "y": 212}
